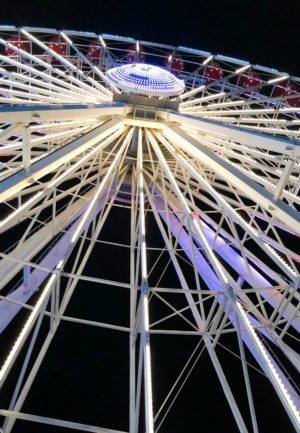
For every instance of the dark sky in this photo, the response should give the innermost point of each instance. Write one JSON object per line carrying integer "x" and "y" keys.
{"x": 265, "y": 32}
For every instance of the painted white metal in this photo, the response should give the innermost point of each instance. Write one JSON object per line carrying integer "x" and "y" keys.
{"x": 14, "y": 183}
{"x": 56, "y": 422}
{"x": 195, "y": 169}
{"x": 145, "y": 336}
{"x": 250, "y": 139}
{"x": 258, "y": 194}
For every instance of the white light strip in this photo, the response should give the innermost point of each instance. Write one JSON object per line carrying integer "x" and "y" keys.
{"x": 242, "y": 69}
{"x": 21, "y": 208}
{"x": 85, "y": 88}
{"x": 146, "y": 336}
{"x": 100, "y": 189}
{"x": 276, "y": 80}
{"x": 60, "y": 134}
{"x": 272, "y": 370}
{"x": 248, "y": 228}
{"x": 204, "y": 99}
{"x": 66, "y": 38}
{"x": 148, "y": 374}
{"x": 207, "y": 60}
{"x": 43, "y": 84}
{"x": 192, "y": 92}
{"x": 30, "y": 321}
{"x": 94, "y": 67}
{"x": 48, "y": 77}
{"x": 102, "y": 42}
{"x": 142, "y": 208}
{"x": 83, "y": 160}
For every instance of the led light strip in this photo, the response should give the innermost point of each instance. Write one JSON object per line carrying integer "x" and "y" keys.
{"x": 146, "y": 79}
{"x": 28, "y": 325}
{"x": 145, "y": 293}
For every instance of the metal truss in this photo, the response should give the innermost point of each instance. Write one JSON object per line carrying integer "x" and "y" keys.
{"x": 217, "y": 181}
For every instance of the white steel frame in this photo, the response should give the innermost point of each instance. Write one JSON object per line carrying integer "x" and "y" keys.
{"x": 219, "y": 176}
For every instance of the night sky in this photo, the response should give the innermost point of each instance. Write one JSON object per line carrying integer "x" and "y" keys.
{"x": 265, "y": 32}
{"x": 84, "y": 376}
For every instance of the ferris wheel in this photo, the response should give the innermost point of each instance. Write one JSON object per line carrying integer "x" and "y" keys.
{"x": 179, "y": 166}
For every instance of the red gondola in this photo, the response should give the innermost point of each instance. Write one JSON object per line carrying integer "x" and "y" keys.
{"x": 213, "y": 71}
{"x": 250, "y": 79}
{"x": 283, "y": 89}
{"x": 95, "y": 52}
{"x": 58, "y": 45}
{"x": 174, "y": 62}
{"x": 136, "y": 54}
{"x": 19, "y": 41}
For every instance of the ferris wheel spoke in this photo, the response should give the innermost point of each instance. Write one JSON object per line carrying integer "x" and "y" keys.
{"x": 47, "y": 140}
{"x": 286, "y": 384}
{"x": 25, "y": 55}
{"x": 252, "y": 276}
{"x": 58, "y": 250}
{"x": 281, "y": 385}
{"x": 256, "y": 124}
{"x": 247, "y": 227}
{"x": 83, "y": 222}
{"x": 26, "y": 289}
{"x": 144, "y": 288}
{"x": 238, "y": 179}
{"x": 289, "y": 311}
{"x": 16, "y": 404}
{"x": 12, "y": 262}
{"x": 36, "y": 92}
{"x": 50, "y": 228}
{"x": 282, "y": 171}
{"x": 212, "y": 110}
{"x": 270, "y": 130}
{"x": 247, "y": 123}
{"x": 280, "y": 184}
{"x": 105, "y": 94}
{"x": 230, "y": 239}
{"x": 246, "y": 138}
{"x": 230, "y": 92}
{"x": 95, "y": 68}
{"x": 263, "y": 156}
{"x": 36, "y": 83}
{"x": 160, "y": 212}
{"x": 64, "y": 113}
{"x": 66, "y": 174}
{"x": 60, "y": 85}
{"x": 84, "y": 92}
{"x": 21, "y": 179}
{"x": 209, "y": 276}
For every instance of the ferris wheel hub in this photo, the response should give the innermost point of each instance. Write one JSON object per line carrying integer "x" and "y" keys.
{"x": 144, "y": 79}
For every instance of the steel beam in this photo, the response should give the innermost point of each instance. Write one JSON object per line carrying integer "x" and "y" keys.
{"x": 25, "y": 114}
{"x": 21, "y": 179}
{"x": 56, "y": 422}
{"x": 250, "y": 138}
{"x": 231, "y": 174}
